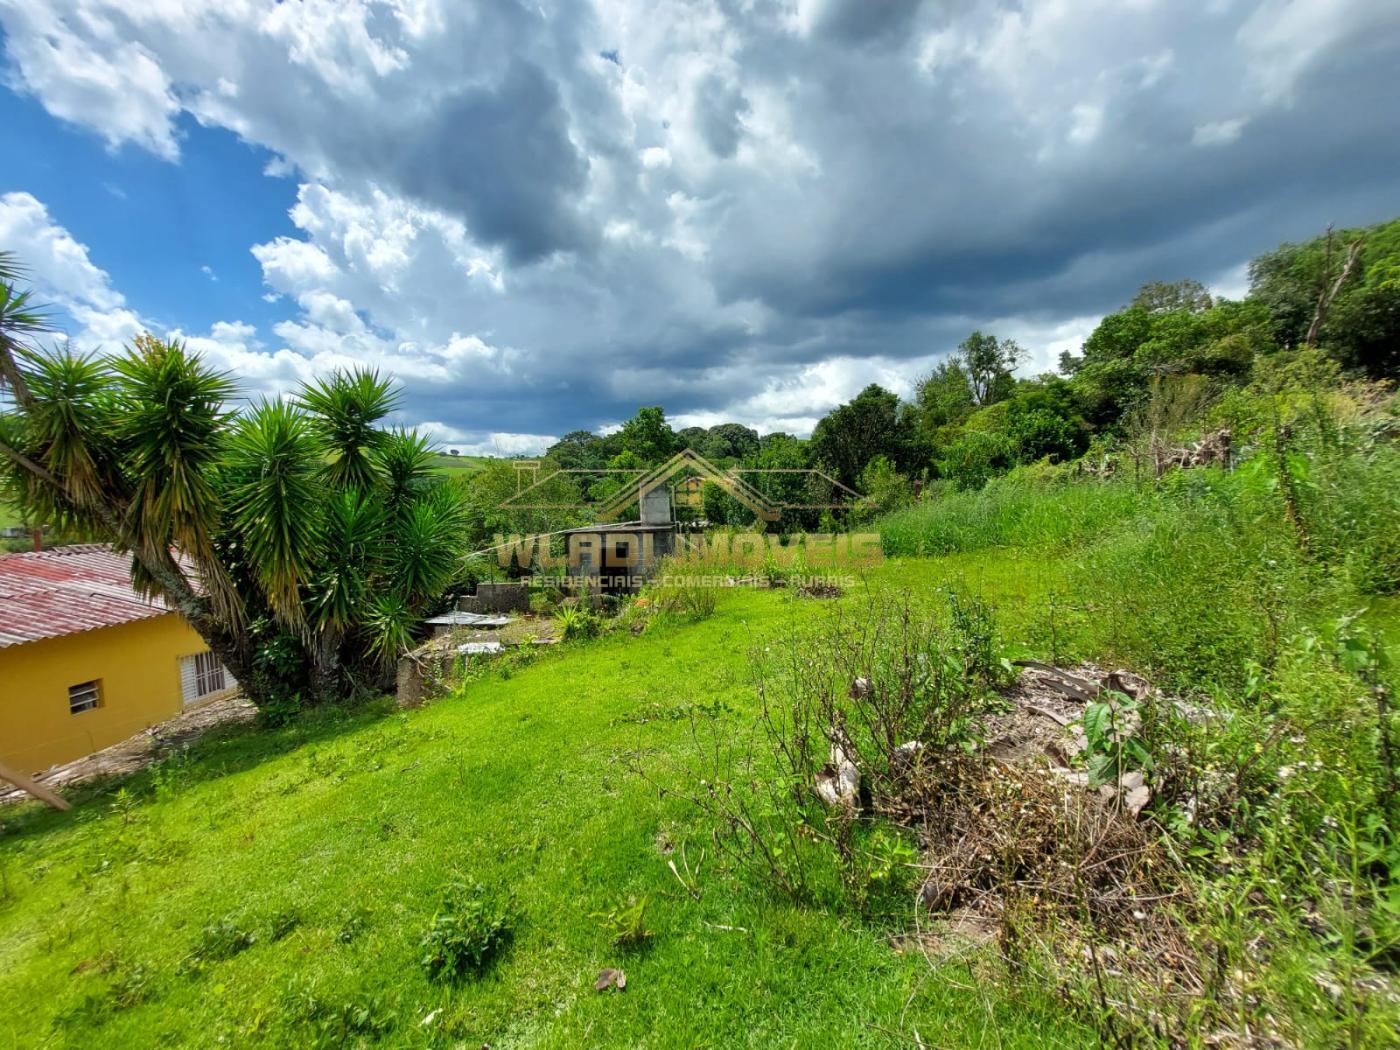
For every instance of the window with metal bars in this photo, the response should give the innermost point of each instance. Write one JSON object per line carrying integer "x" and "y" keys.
{"x": 201, "y": 675}
{"x": 84, "y": 697}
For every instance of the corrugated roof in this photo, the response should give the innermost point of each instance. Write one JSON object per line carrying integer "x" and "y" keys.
{"x": 68, "y": 590}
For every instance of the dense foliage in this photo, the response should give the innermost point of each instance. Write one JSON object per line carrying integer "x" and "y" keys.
{"x": 303, "y": 540}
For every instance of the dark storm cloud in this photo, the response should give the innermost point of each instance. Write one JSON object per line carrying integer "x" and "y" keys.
{"x": 502, "y": 159}
{"x": 860, "y": 21}
{"x": 745, "y": 206}
{"x": 721, "y": 109}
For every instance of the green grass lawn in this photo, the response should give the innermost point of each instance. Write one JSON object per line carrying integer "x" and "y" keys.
{"x": 8, "y": 515}
{"x": 340, "y": 832}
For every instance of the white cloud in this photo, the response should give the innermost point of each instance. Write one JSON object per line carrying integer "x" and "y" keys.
{"x": 1218, "y": 132}
{"x": 59, "y": 262}
{"x": 115, "y": 87}
{"x": 1086, "y": 121}
{"x": 1232, "y": 283}
{"x": 64, "y": 275}
{"x": 501, "y": 444}
{"x": 1283, "y": 39}
{"x": 294, "y": 265}
{"x": 756, "y": 210}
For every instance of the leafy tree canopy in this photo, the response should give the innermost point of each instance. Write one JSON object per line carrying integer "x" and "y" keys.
{"x": 1361, "y": 327}
{"x": 648, "y": 436}
{"x": 851, "y": 435}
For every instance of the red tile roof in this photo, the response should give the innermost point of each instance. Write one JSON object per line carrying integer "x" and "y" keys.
{"x": 68, "y": 590}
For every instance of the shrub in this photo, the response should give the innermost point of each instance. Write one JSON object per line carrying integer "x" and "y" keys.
{"x": 626, "y": 922}
{"x": 575, "y": 622}
{"x": 471, "y": 928}
{"x": 976, "y": 457}
{"x": 888, "y": 686}
{"x": 218, "y": 941}
{"x": 683, "y": 591}
{"x": 332, "y": 1021}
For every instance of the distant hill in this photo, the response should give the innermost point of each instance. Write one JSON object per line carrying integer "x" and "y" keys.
{"x": 460, "y": 466}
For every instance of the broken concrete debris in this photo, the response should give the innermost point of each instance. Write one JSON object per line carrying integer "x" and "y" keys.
{"x": 838, "y": 782}
{"x": 458, "y": 635}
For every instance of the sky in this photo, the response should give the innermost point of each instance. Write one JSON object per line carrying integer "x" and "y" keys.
{"x": 540, "y": 216}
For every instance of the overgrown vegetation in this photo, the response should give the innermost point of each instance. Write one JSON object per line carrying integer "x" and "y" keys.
{"x": 472, "y": 926}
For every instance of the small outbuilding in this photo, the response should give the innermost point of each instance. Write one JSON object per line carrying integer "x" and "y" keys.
{"x": 617, "y": 559}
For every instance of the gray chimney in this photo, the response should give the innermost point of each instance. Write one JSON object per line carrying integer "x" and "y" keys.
{"x": 655, "y": 505}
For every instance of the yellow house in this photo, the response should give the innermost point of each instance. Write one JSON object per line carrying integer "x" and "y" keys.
{"x": 85, "y": 661}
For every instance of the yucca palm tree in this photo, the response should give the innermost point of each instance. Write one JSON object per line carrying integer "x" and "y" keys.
{"x": 20, "y": 321}
{"x": 301, "y": 522}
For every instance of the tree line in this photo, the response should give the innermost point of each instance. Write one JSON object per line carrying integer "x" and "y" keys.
{"x": 972, "y": 418}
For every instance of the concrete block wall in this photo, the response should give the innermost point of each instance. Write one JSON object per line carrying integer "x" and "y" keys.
{"x": 496, "y": 598}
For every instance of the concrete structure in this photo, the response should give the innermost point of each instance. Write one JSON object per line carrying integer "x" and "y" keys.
{"x": 451, "y": 621}
{"x": 616, "y": 559}
{"x": 496, "y": 598}
{"x": 85, "y": 661}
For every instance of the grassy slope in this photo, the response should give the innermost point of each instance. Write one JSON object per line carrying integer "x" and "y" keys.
{"x": 520, "y": 782}
{"x": 459, "y": 466}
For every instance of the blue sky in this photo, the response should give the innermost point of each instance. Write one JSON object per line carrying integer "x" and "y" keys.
{"x": 147, "y": 221}
{"x": 538, "y": 218}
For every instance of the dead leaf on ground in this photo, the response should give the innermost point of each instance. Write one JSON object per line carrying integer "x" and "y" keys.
{"x": 610, "y": 978}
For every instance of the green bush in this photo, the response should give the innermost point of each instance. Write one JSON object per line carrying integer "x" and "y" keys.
{"x": 977, "y": 457}
{"x": 575, "y": 622}
{"x": 471, "y": 928}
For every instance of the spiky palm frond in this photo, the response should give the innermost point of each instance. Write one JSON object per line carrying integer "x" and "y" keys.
{"x": 425, "y": 557}
{"x": 452, "y": 502}
{"x": 70, "y": 428}
{"x": 389, "y": 628}
{"x": 21, "y": 319}
{"x": 353, "y": 544}
{"x": 345, "y": 409}
{"x": 11, "y": 270}
{"x": 405, "y": 461}
{"x": 277, "y": 503}
{"x": 172, "y": 434}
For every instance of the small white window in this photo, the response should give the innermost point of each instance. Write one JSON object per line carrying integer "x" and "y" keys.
{"x": 84, "y": 697}
{"x": 202, "y": 675}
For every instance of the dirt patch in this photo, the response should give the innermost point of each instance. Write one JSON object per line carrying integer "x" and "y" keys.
{"x": 145, "y": 748}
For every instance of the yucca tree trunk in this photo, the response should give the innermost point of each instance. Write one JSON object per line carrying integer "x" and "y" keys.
{"x": 326, "y": 667}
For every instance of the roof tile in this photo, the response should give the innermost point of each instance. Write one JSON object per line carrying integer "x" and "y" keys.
{"x": 68, "y": 590}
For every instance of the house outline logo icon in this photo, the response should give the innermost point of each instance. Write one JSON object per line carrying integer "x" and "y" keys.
{"x": 731, "y": 482}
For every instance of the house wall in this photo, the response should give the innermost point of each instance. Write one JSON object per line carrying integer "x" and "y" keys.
{"x": 138, "y": 665}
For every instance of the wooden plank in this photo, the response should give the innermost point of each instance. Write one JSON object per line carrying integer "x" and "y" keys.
{"x": 37, "y": 790}
{"x": 1063, "y": 681}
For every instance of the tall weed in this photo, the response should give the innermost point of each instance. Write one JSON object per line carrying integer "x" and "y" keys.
{"x": 1029, "y": 507}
